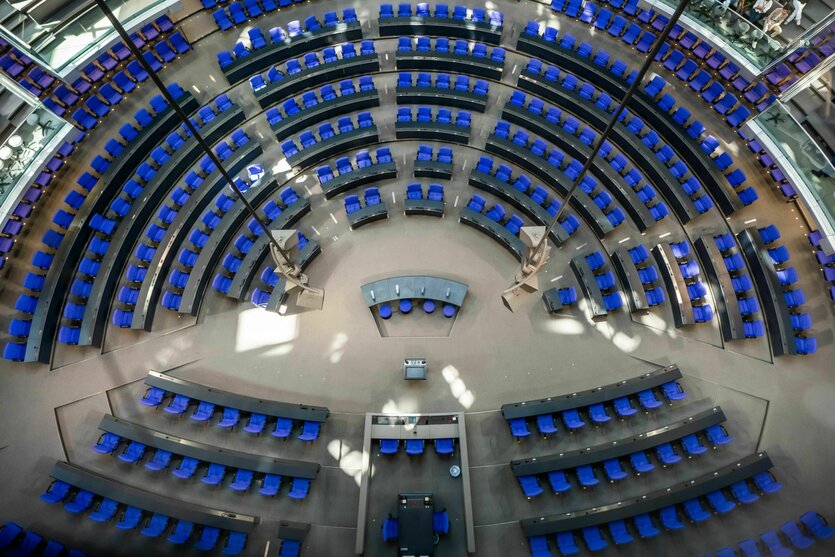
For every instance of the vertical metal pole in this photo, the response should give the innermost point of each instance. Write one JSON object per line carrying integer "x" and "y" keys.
{"x": 610, "y": 126}
{"x": 193, "y": 130}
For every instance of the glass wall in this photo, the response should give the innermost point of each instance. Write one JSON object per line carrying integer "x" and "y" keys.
{"x": 720, "y": 25}
{"x": 74, "y": 42}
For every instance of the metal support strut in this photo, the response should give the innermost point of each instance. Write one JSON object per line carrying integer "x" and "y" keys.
{"x": 534, "y": 258}
{"x": 308, "y": 296}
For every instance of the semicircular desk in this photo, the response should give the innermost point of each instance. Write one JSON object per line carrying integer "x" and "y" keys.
{"x": 411, "y": 287}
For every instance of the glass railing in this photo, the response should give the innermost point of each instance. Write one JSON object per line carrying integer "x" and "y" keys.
{"x": 27, "y": 149}
{"x": 727, "y": 30}
{"x": 77, "y": 41}
{"x": 809, "y": 169}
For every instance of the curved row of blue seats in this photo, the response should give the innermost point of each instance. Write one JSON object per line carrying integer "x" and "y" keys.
{"x": 691, "y": 271}
{"x": 310, "y": 99}
{"x": 497, "y": 213}
{"x": 371, "y": 196}
{"x": 803, "y": 535}
{"x": 107, "y": 225}
{"x": 672, "y": 391}
{"x": 648, "y": 274}
{"x": 133, "y": 452}
{"x": 741, "y": 281}
{"x": 310, "y": 60}
{"x": 325, "y": 131}
{"x": 617, "y": 160}
{"x": 440, "y": 116}
{"x": 787, "y": 276}
{"x": 240, "y": 12}
{"x": 461, "y": 47}
{"x": 462, "y": 82}
{"x": 178, "y": 404}
{"x": 476, "y": 15}
{"x": 78, "y": 501}
{"x": 344, "y": 166}
{"x": 645, "y": 526}
{"x": 586, "y": 474}
{"x": 568, "y": 166}
{"x": 538, "y": 193}
{"x": 20, "y": 542}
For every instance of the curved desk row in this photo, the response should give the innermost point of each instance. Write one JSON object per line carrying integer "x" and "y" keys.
{"x": 627, "y": 274}
{"x": 502, "y": 235}
{"x": 359, "y": 177}
{"x": 432, "y": 131}
{"x": 440, "y": 27}
{"x": 154, "y": 193}
{"x": 208, "y": 453}
{"x": 449, "y": 62}
{"x": 576, "y": 149}
{"x": 368, "y": 214}
{"x": 641, "y": 104}
{"x": 308, "y": 78}
{"x": 654, "y": 501}
{"x": 582, "y": 399}
{"x": 583, "y": 272}
{"x": 176, "y": 233}
{"x": 777, "y": 314}
{"x": 426, "y": 207}
{"x": 414, "y": 287}
{"x": 520, "y": 200}
{"x": 325, "y": 149}
{"x": 554, "y": 178}
{"x": 308, "y": 117}
{"x": 433, "y": 169}
{"x": 46, "y": 320}
{"x": 212, "y": 252}
{"x": 275, "y": 53}
{"x": 620, "y": 448}
{"x": 642, "y": 157}
{"x": 441, "y": 97}
{"x": 674, "y": 283}
{"x": 244, "y": 403}
{"x": 719, "y": 279}
{"x": 151, "y": 502}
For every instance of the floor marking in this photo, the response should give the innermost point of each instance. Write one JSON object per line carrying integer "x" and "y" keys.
{"x": 581, "y": 246}
{"x": 625, "y": 240}
{"x": 456, "y": 202}
{"x": 464, "y": 168}
{"x": 555, "y": 279}
{"x": 315, "y": 231}
{"x": 664, "y": 235}
{"x": 267, "y": 549}
{"x": 309, "y": 193}
{"x": 393, "y": 199}
{"x": 514, "y": 68}
{"x": 334, "y": 219}
{"x": 750, "y": 221}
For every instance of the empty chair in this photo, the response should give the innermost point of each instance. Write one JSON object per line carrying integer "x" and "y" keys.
{"x": 817, "y": 525}
{"x": 694, "y": 510}
{"x": 614, "y": 470}
{"x": 592, "y": 535}
{"x": 545, "y": 424}
{"x": 530, "y": 486}
{"x": 667, "y": 454}
{"x": 414, "y": 447}
{"x": 719, "y": 502}
{"x": 766, "y": 482}
{"x": 572, "y": 419}
{"x": 586, "y": 475}
{"x": 669, "y": 518}
{"x": 640, "y": 462}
